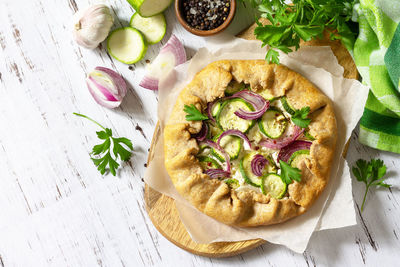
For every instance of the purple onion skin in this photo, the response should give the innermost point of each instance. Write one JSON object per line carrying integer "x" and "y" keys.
{"x": 258, "y": 164}
{"x": 202, "y": 135}
{"x": 235, "y": 133}
{"x": 282, "y": 141}
{"x": 217, "y": 173}
{"x": 287, "y": 151}
{"x": 106, "y": 94}
{"x": 220, "y": 149}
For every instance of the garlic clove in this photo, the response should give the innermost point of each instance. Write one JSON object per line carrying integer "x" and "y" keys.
{"x": 92, "y": 25}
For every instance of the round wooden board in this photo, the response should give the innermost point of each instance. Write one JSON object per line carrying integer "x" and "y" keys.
{"x": 162, "y": 210}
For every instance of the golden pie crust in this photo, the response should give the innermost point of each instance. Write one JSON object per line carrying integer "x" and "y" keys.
{"x": 212, "y": 196}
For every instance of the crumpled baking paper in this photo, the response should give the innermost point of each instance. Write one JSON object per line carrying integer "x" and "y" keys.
{"x": 333, "y": 209}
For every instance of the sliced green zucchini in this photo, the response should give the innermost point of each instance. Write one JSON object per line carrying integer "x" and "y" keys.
{"x": 216, "y": 108}
{"x": 289, "y": 109}
{"x": 213, "y": 130}
{"x": 297, "y": 157}
{"x": 308, "y": 135}
{"x": 234, "y": 87}
{"x": 149, "y": 8}
{"x": 231, "y": 144}
{"x": 248, "y": 176}
{"x": 153, "y": 28}
{"x": 273, "y": 185}
{"x": 126, "y": 45}
{"x": 208, "y": 163}
{"x": 247, "y": 173}
{"x": 267, "y": 95}
{"x": 226, "y": 118}
{"x": 234, "y": 183}
{"x": 272, "y": 123}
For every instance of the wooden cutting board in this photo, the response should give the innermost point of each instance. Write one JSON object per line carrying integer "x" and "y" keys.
{"x": 162, "y": 210}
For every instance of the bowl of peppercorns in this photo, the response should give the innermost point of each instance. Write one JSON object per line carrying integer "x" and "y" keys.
{"x": 205, "y": 17}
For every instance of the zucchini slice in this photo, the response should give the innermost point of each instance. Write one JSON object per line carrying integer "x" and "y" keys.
{"x": 297, "y": 157}
{"x": 289, "y": 109}
{"x": 149, "y": 8}
{"x": 247, "y": 173}
{"x": 126, "y": 45}
{"x": 153, "y": 28}
{"x": 248, "y": 176}
{"x": 234, "y": 183}
{"x": 234, "y": 87}
{"x": 231, "y": 144}
{"x": 213, "y": 130}
{"x": 208, "y": 163}
{"x": 273, "y": 185}
{"x": 267, "y": 95}
{"x": 273, "y": 123}
{"x": 216, "y": 108}
{"x": 226, "y": 118}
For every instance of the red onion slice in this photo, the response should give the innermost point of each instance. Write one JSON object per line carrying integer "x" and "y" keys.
{"x": 210, "y": 106}
{"x": 117, "y": 79}
{"x": 221, "y": 150}
{"x": 258, "y": 102}
{"x": 235, "y": 133}
{"x": 201, "y": 136}
{"x": 107, "y": 87}
{"x": 287, "y": 151}
{"x": 258, "y": 164}
{"x": 294, "y": 132}
{"x": 217, "y": 173}
{"x": 171, "y": 54}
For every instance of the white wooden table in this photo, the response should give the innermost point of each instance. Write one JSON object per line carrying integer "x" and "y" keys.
{"x": 57, "y": 210}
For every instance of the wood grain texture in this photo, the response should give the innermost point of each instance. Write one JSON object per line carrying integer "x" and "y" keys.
{"x": 57, "y": 210}
{"x": 162, "y": 210}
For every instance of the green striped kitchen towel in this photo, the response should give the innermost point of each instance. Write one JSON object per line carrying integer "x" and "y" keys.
{"x": 377, "y": 56}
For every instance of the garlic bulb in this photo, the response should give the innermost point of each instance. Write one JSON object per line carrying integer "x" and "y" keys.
{"x": 91, "y": 26}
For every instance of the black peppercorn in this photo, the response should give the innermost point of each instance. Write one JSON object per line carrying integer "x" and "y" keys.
{"x": 205, "y": 14}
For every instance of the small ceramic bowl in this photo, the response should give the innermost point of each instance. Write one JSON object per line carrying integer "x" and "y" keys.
{"x": 220, "y": 28}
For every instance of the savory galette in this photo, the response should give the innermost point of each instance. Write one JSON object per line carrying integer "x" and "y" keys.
{"x": 250, "y": 143}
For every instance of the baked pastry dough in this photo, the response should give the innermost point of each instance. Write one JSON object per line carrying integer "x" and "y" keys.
{"x": 247, "y": 207}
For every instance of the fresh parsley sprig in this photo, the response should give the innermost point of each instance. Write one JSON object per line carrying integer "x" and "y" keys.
{"x": 303, "y": 20}
{"x": 300, "y": 117}
{"x": 288, "y": 173}
{"x": 371, "y": 173}
{"x": 193, "y": 114}
{"x": 108, "y": 159}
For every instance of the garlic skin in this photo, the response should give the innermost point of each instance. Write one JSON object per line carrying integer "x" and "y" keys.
{"x": 92, "y": 25}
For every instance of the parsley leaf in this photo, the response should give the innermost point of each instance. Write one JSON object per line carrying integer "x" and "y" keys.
{"x": 272, "y": 56}
{"x": 303, "y": 20}
{"x": 288, "y": 173}
{"x": 108, "y": 160}
{"x": 371, "y": 173}
{"x": 300, "y": 117}
{"x": 193, "y": 114}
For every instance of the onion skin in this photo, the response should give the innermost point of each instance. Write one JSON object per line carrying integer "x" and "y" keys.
{"x": 235, "y": 133}
{"x": 258, "y": 164}
{"x": 201, "y": 136}
{"x": 220, "y": 149}
{"x": 107, "y": 87}
{"x": 284, "y": 140}
{"x": 210, "y": 106}
{"x": 217, "y": 173}
{"x": 258, "y": 102}
{"x": 287, "y": 151}
{"x": 176, "y": 48}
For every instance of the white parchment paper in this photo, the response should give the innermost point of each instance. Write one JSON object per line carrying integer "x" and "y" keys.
{"x": 333, "y": 209}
